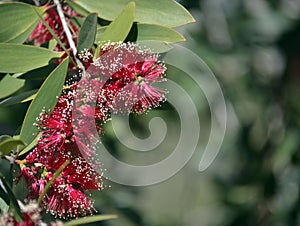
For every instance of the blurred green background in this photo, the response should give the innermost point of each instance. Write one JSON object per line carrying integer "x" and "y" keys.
{"x": 253, "y": 48}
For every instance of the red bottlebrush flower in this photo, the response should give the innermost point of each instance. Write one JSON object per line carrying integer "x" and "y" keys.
{"x": 130, "y": 74}
{"x": 57, "y": 144}
{"x": 67, "y": 200}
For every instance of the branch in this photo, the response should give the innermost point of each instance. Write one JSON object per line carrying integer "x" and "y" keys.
{"x": 68, "y": 32}
{"x": 37, "y": 2}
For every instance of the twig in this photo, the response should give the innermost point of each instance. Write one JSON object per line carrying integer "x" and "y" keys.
{"x": 68, "y": 32}
{"x": 37, "y": 2}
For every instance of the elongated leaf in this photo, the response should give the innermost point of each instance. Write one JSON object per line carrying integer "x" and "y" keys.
{"x": 120, "y": 27}
{"x": 9, "y": 85}
{"x": 157, "y": 32}
{"x": 3, "y": 193}
{"x": 45, "y": 98}
{"x": 16, "y": 58}
{"x": 18, "y": 21}
{"x": 151, "y": 32}
{"x": 3, "y": 206}
{"x": 17, "y": 99}
{"x": 91, "y": 219}
{"x": 12, "y": 198}
{"x": 39, "y": 73}
{"x": 162, "y": 12}
{"x": 77, "y": 8}
{"x": 9, "y": 145}
{"x": 87, "y": 32}
{"x": 30, "y": 146}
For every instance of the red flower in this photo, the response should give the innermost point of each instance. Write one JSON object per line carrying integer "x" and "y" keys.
{"x": 130, "y": 75}
{"x": 66, "y": 197}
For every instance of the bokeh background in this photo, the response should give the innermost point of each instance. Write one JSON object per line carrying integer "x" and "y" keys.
{"x": 253, "y": 48}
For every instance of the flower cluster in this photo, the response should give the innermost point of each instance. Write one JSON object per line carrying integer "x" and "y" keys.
{"x": 122, "y": 79}
{"x": 66, "y": 197}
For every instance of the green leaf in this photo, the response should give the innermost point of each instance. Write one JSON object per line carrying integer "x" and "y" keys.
{"x": 120, "y": 27}
{"x": 9, "y": 145}
{"x": 91, "y": 219}
{"x": 17, "y": 99}
{"x": 3, "y": 206}
{"x": 11, "y": 196}
{"x": 162, "y": 12}
{"x": 46, "y": 98}
{"x": 87, "y": 33}
{"x": 16, "y": 58}
{"x": 156, "y": 46}
{"x": 4, "y": 137}
{"x": 157, "y": 32}
{"x": 18, "y": 21}
{"x": 77, "y": 8}
{"x": 151, "y": 32}
{"x": 39, "y": 73}
{"x": 10, "y": 85}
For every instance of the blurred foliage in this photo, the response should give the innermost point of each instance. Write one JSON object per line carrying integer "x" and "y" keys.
{"x": 253, "y": 48}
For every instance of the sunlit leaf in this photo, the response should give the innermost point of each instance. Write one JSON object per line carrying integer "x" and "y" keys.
{"x": 151, "y": 32}
{"x": 87, "y": 33}
{"x": 157, "y": 32}
{"x": 91, "y": 219}
{"x": 16, "y": 58}
{"x": 9, "y": 85}
{"x": 9, "y": 145}
{"x": 120, "y": 27}
{"x": 46, "y": 98}
{"x": 163, "y": 12}
{"x": 18, "y": 21}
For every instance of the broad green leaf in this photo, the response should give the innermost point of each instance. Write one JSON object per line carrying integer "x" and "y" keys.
{"x": 151, "y": 32}
{"x": 157, "y": 32}
{"x": 16, "y": 58}
{"x": 10, "y": 85}
{"x": 3, "y": 206}
{"x": 11, "y": 196}
{"x": 162, "y": 12}
{"x": 46, "y": 98}
{"x": 30, "y": 146}
{"x": 77, "y": 8}
{"x": 17, "y": 99}
{"x": 155, "y": 46}
{"x": 9, "y": 145}
{"x": 87, "y": 33}
{"x": 18, "y": 21}
{"x": 91, "y": 219}
{"x": 120, "y": 27}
